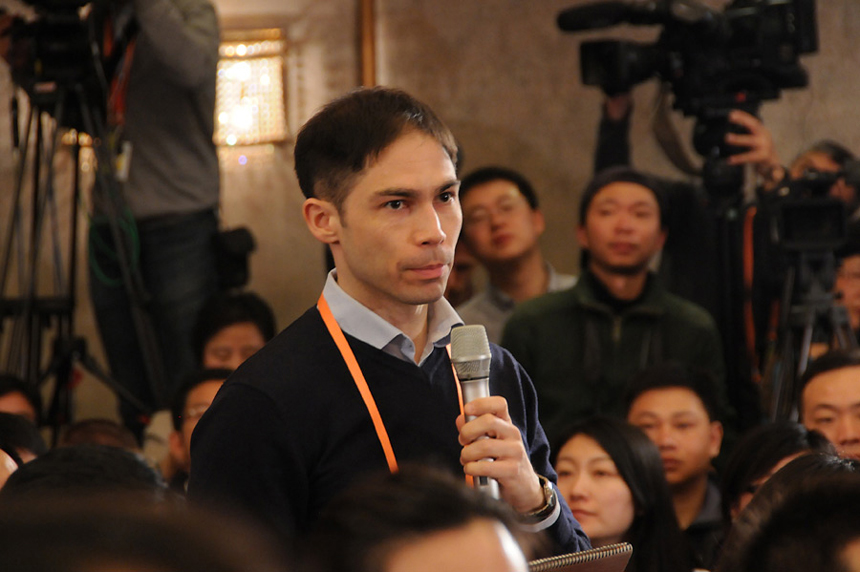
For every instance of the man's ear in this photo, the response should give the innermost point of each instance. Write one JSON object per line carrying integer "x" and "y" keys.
{"x": 323, "y": 220}
{"x": 539, "y": 221}
{"x": 663, "y": 234}
{"x": 176, "y": 449}
{"x": 582, "y": 237}
{"x": 716, "y": 439}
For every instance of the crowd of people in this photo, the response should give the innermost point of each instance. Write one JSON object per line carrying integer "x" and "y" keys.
{"x": 344, "y": 443}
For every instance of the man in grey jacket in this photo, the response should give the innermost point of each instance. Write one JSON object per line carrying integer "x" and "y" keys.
{"x": 161, "y": 113}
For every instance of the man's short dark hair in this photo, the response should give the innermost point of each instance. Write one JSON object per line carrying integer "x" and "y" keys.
{"x": 759, "y": 451}
{"x": 125, "y": 532}
{"x": 622, "y": 175}
{"x": 177, "y": 406}
{"x": 99, "y": 432}
{"x": 84, "y": 470}
{"x": 838, "y": 153}
{"x": 831, "y": 361}
{"x": 348, "y": 134}
{"x": 801, "y": 519}
{"x": 10, "y": 384}
{"x": 223, "y": 310}
{"x": 673, "y": 374}
{"x": 493, "y": 173}
{"x": 364, "y": 524}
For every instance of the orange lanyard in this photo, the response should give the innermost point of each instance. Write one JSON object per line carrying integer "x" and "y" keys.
{"x": 361, "y": 383}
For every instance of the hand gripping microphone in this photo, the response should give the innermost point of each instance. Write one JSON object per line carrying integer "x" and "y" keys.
{"x": 470, "y": 354}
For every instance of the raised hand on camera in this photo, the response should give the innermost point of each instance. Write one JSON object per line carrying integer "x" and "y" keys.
{"x": 760, "y": 150}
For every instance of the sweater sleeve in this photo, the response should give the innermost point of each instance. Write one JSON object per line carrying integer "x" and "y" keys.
{"x": 242, "y": 463}
{"x": 184, "y": 35}
{"x": 565, "y": 533}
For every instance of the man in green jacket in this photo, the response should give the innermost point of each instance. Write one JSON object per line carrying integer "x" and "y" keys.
{"x": 581, "y": 346}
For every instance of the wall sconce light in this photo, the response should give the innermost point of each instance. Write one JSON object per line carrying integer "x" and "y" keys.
{"x": 249, "y": 107}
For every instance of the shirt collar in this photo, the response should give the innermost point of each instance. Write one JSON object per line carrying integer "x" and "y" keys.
{"x": 505, "y": 302}
{"x": 362, "y": 323}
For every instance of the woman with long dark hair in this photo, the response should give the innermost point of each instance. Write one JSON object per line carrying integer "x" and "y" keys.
{"x": 612, "y": 478}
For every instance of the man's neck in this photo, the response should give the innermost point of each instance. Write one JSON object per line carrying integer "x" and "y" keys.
{"x": 521, "y": 279}
{"x": 411, "y": 319}
{"x": 688, "y": 499}
{"x": 620, "y": 286}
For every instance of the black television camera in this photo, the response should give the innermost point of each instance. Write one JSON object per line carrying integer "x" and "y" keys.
{"x": 712, "y": 61}
{"x": 57, "y": 57}
{"x": 807, "y": 219}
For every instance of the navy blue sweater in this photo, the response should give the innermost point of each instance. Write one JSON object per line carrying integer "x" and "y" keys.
{"x": 289, "y": 430}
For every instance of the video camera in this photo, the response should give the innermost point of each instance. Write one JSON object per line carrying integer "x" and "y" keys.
{"x": 713, "y": 60}
{"x": 57, "y": 52}
{"x": 807, "y": 218}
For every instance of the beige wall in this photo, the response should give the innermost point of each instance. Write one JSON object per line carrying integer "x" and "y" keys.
{"x": 503, "y": 77}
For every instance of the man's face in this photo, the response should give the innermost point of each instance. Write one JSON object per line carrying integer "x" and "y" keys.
{"x": 498, "y": 222}
{"x": 480, "y": 546}
{"x": 622, "y": 229}
{"x": 232, "y": 345}
{"x": 14, "y": 402}
{"x": 830, "y": 403}
{"x": 393, "y": 240}
{"x": 848, "y": 283}
{"x": 675, "y": 419}
{"x": 460, "y": 281}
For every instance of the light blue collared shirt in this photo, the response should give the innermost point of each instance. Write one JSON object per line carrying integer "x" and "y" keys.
{"x": 362, "y": 323}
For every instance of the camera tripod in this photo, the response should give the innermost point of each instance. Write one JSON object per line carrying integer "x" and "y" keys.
{"x": 37, "y": 307}
{"x": 808, "y": 312}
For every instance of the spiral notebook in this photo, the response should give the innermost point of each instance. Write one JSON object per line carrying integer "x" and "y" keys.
{"x": 612, "y": 558}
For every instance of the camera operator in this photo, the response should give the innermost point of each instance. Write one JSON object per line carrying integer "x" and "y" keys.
{"x": 822, "y": 157}
{"x": 161, "y": 113}
{"x": 824, "y": 160}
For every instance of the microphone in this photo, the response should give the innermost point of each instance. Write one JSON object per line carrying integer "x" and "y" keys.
{"x": 470, "y": 355}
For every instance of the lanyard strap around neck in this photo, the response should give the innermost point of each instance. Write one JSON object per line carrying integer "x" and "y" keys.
{"x": 361, "y": 383}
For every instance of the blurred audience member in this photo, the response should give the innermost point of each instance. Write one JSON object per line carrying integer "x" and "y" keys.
{"x": 502, "y": 226}
{"x": 192, "y": 401}
{"x": 83, "y": 470}
{"x": 119, "y": 533}
{"x": 830, "y": 399}
{"x": 8, "y": 465}
{"x": 823, "y": 156}
{"x": 20, "y": 438}
{"x": 99, "y": 432}
{"x": 161, "y": 117}
{"x": 677, "y": 407}
{"x": 416, "y": 520}
{"x": 461, "y": 280}
{"x": 582, "y": 346}
{"x": 19, "y": 397}
{"x": 758, "y": 455}
{"x": 848, "y": 275}
{"x": 231, "y": 328}
{"x": 803, "y": 519}
{"x": 612, "y": 477}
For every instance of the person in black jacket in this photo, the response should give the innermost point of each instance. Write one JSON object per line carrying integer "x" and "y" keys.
{"x": 295, "y": 424}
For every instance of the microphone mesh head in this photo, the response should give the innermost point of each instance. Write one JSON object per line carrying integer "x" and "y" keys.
{"x": 470, "y": 351}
